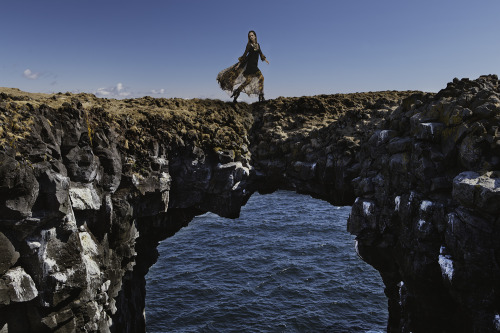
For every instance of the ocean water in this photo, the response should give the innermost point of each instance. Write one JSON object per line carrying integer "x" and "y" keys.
{"x": 286, "y": 265}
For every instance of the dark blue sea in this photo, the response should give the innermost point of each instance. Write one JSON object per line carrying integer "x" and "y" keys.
{"x": 286, "y": 265}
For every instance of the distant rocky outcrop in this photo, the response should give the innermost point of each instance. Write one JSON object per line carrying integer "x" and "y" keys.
{"x": 89, "y": 186}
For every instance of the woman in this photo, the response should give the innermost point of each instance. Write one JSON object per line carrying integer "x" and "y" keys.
{"x": 245, "y": 75}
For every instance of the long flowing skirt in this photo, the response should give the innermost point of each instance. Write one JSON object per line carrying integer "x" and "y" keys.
{"x": 233, "y": 77}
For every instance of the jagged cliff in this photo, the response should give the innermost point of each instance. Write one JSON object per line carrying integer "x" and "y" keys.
{"x": 427, "y": 211}
{"x": 89, "y": 186}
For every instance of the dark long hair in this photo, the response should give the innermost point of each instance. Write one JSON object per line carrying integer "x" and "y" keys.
{"x": 248, "y": 35}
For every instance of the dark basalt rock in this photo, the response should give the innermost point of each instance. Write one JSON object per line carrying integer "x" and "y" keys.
{"x": 8, "y": 254}
{"x": 431, "y": 227}
{"x": 89, "y": 187}
{"x": 18, "y": 188}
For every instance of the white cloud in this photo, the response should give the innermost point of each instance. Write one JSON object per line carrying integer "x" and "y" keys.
{"x": 31, "y": 75}
{"x": 158, "y": 91}
{"x": 122, "y": 91}
{"x": 103, "y": 92}
{"x": 118, "y": 91}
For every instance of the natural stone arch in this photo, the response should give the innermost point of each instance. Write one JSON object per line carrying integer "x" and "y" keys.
{"x": 81, "y": 175}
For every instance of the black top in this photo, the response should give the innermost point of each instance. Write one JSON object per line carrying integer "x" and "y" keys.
{"x": 251, "y": 57}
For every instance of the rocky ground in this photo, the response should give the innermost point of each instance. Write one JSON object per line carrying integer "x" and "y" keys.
{"x": 89, "y": 186}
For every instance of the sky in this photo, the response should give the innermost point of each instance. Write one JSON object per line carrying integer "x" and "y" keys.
{"x": 175, "y": 48}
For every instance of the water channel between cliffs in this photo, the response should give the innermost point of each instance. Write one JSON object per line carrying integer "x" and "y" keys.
{"x": 286, "y": 265}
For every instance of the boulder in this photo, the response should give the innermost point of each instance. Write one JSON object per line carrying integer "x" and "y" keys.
{"x": 18, "y": 188}
{"x": 82, "y": 164}
{"x": 482, "y": 192}
{"x": 84, "y": 196}
{"x": 20, "y": 284}
{"x": 8, "y": 254}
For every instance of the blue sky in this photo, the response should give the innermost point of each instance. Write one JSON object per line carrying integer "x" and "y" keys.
{"x": 175, "y": 48}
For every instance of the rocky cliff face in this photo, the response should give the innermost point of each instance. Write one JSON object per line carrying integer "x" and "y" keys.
{"x": 88, "y": 187}
{"x": 427, "y": 211}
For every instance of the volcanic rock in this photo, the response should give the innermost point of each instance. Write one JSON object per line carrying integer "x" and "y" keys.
{"x": 90, "y": 186}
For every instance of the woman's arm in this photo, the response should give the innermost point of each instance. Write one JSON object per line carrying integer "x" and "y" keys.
{"x": 262, "y": 56}
{"x": 243, "y": 57}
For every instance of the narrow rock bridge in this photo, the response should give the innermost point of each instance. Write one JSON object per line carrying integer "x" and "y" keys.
{"x": 89, "y": 186}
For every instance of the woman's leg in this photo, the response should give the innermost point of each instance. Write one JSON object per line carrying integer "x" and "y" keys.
{"x": 248, "y": 79}
{"x": 242, "y": 86}
{"x": 261, "y": 87}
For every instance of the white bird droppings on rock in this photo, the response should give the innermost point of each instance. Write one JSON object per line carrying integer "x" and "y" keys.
{"x": 367, "y": 207}
{"x": 89, "y": 252}
{"x": 84, "y": 197}
{"x": 496, "y": 322}
{"x": 49, "y": 264}
{"x": 425, "y": 205}
{"x": 397, "y": 201}
{"x": 421, "y": 224}
{"x": 446, "y": 264}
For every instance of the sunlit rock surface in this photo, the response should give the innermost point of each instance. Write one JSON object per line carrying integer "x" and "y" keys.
{"x": 89, "y": 186}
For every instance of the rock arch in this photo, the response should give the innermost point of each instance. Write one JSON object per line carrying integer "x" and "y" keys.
{"x": 88, "y": 186}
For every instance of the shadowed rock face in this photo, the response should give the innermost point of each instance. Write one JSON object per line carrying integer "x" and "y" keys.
{"x": 427, "y": 209}
{"x": 88, "y": 187}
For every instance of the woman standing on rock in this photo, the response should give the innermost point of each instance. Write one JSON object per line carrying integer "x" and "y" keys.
{"x": 245, "y": 75}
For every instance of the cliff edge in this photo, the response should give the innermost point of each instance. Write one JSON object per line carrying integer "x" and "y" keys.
{"x": 89, "y": 186}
